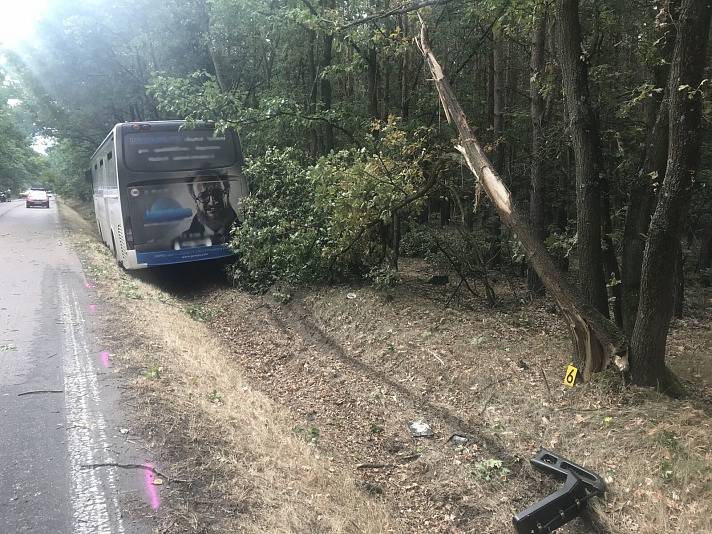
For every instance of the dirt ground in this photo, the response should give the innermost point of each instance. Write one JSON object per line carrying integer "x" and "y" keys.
{"x": 293, "y": 417}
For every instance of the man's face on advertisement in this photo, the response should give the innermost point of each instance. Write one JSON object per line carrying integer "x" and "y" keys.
{"x": 211, "y": 200}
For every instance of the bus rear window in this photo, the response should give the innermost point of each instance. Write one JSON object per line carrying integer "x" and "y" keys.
{"x": 178, "y": 151}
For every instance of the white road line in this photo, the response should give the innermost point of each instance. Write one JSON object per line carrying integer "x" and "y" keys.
{"x": 95, "y": 507}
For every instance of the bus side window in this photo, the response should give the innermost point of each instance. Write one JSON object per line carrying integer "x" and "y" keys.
{"x": 112, "y": 180}
{"x": 102, "y": 176}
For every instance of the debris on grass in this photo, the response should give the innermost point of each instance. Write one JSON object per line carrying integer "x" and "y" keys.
{"x": 420, "y": 429}
{"x": 459, "y": 440}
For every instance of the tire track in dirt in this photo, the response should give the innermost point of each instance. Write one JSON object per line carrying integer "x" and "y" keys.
{"x": 292, "y": 359}
{"x": 304, "y": 322}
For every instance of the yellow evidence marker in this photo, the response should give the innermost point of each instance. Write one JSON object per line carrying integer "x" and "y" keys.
{"x": 571, "y": 374}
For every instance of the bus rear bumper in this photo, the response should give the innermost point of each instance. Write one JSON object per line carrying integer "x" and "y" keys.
{"x": 169, "y": 257}
{"x": 130, "y": 261}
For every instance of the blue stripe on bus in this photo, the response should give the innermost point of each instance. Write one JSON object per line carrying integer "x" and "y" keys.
{"x": 166, "y": 215}
{"x": 166, "y": 257}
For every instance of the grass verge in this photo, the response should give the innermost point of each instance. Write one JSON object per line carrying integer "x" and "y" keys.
{"x": 248, "y": 470}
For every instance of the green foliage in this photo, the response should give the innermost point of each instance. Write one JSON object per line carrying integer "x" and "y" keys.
{"x": 67, "y": 163}
{"x": 302, "y": 83}
{"x": 447, "y": 250}
{"x": 283, "y": 232}
{"x": 362, "y": 188}
{"x": 153, "y": 372}
{"x": 418, "y": 242}
{"x": 489, "y": 469}
{"x": 128, "y": 287}
{"x": 281, "y": 297}
{"x": 669, "y": 440}
{"x": 215, "y": 397}
{"x": 384, "y": 277}
{"x": 311, "y": 434}
{"x": 200, "y": 312}
{"x": 561, "y": 245}
{"x": 666, "y": 469}
{"x": 304, "y": 223}
{"x": 20, "y": 166}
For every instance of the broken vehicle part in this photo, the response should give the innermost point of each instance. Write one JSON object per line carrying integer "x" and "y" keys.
{"x": 564, "y": 504}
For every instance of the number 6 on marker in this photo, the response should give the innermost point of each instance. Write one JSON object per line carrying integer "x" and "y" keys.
{"x": 570, "y": 378}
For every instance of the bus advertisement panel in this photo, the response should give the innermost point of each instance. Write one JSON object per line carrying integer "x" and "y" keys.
{"x": 178, "y": 222}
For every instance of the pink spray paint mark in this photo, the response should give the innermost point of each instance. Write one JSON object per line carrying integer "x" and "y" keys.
{"x": 89, "y": 285}
{"x": 153, "y": 498}
{"x": 104, "y": 359}
{"x": 92, "y": 308}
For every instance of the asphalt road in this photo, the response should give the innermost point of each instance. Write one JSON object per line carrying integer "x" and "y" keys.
{"x": 59, "y": 413}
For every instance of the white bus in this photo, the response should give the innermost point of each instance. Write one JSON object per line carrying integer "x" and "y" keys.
{"x": 166, "y": 194}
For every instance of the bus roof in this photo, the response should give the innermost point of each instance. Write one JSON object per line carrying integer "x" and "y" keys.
{"x": 160, "y": 126}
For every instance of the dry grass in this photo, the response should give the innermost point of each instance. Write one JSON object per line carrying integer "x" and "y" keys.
{"x": 347, "y": 374}
{"x": 250, "y": 471}
{"x": 504, "y": 368}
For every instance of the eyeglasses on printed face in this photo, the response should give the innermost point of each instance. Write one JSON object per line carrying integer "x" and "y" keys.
{"x": 214, "y": 193}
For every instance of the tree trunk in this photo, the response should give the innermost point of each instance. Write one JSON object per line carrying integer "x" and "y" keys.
{"x": 610, "y": 259}
{"x": 372, "y": 82}
{"x": 704, "y": 258}
{"x": 404, "y": 72}
{"x": 312, "y": 96}
{"x": 596, "y": 339}
{"x": 499, "y": 66}
{"x": 489, "y": 104}
{"x": 660, "y": 256}
{"x": 536, "y": 189}
{"x": 396, "y": 238}
{"x": 585, "y": 138}
{"x": 679, "y": 295}
{"x": 216, "y": 60}
{"x": 444, "y": 211}
{"x": 326, "y": 58}
{"x": 642, "y": 199}
{"x": 215, "y": 56}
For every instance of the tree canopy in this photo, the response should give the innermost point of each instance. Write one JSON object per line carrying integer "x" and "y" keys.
{"x": 19, "y": 164}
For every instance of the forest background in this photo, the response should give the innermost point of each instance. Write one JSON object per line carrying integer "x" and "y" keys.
{"x": 596, "y": 114}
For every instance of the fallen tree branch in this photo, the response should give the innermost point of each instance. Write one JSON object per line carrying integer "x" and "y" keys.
{"x": 398, "y": 10}
{"x": 484, "y": 406}
{"x": 596, "y": 339}
{"x": 373, "y": 466}
{"x": 38, "y": 391}
{"x": 136, "y": 466}
{"x": 495, "y": 383}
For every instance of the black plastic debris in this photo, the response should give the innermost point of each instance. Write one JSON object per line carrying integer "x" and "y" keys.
{"x": 564, "y": 504}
